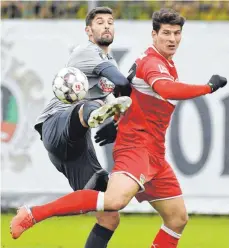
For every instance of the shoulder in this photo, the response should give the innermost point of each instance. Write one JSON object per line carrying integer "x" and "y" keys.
{"x": 89, "y": 53}
{"x": 151, "y": 62}
{"x": 86, "y": 48}
{"x": 81, "y": 49}
{"x": 148, "y": 56}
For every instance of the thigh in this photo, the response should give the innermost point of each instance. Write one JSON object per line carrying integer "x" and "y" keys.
{"x": 83, "y": 172}
{"x": 163, "y": 184}
{"x": 120, "y": 190}
{"x": 63, "y": 132}
{"x": 72, "y": 152}
{"x": 133, "y": 163}
{"x": 83, "y": 169}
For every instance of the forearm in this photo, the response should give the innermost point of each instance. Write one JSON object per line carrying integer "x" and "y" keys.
{"x": 179, "y": 91}
{"x": 114, "y": 75}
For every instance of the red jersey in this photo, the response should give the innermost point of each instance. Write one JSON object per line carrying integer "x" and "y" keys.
{"x": 146, "y": 121}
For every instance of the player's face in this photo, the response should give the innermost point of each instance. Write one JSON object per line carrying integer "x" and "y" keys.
{"x": 101, "y": 31}
{"x": 167, "y": 39}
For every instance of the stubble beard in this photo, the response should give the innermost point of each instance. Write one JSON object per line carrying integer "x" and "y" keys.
{"x": 104, "y": 42}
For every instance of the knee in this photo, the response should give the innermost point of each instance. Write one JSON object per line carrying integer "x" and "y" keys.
{"x": 109, "y": 220}
{"x": 183, "y": 219}
{"x": 86, "y": 110}
{"x": 115, "y": 204}
{"x": 178, "y": 222}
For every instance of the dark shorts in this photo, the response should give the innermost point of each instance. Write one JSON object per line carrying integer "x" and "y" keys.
{"x": 71, "y": 150}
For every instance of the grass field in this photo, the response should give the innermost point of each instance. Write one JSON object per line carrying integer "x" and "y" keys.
{"x": 135, "y": 231}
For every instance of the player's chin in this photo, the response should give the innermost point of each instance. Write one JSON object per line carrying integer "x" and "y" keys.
{"x": 171, "y": 52}
{"x": 105, "y": 41}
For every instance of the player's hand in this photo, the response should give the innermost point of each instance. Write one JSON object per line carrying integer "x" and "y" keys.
{"x": 107, "y": 133}
{"x": 217, "y": 82}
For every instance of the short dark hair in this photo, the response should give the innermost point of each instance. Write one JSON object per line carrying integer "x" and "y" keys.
{"x": 166, "y": 16}
{"x": 98, "y": 10}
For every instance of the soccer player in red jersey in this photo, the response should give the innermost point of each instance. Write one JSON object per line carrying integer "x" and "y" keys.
{"x": 140, "y": 167}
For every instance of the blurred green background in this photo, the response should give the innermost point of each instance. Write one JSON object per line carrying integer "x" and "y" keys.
{"x": 137, "y": 10}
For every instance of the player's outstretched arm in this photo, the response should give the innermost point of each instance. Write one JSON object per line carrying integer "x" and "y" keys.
{"x": 181, "y": 91}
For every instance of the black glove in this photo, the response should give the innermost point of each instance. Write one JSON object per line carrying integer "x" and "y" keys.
{"x": 122, "y": 90}
{"x": 107, "y": 133}
{"x": 217, "y": 82}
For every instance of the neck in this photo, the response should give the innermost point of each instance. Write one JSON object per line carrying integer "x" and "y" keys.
{"x": 104, "y": 48}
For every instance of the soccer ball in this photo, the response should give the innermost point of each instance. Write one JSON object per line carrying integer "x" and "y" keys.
{"x": 70, "y": 85}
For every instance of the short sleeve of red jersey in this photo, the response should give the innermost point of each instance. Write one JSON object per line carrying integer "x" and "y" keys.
{"x": 154, "y": 69}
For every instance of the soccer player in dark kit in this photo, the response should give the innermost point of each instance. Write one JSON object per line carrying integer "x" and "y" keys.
{"x": 65, "y": 128}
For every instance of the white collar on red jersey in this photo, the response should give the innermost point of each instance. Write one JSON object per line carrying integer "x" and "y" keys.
{"x": 155, "y": 49}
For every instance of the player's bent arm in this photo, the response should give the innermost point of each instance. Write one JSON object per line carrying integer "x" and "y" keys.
{"x": 179, "y": 91}
{"x": 114, "y": 75}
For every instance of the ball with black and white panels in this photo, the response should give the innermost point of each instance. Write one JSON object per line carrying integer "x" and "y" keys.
{"x": 70, "y": 85}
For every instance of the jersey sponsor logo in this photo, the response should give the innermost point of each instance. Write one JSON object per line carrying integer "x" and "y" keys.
{"x": 21, "y": 101}
{"x": 105, "y": 85}
{"x": 163, "y": 69}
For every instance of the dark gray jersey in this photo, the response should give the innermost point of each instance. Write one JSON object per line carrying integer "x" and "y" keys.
{"x": 91, "y": 60}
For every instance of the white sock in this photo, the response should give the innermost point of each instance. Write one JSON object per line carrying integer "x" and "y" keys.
{"x": 170, "y": 232}
{"x": 100, "y": 201}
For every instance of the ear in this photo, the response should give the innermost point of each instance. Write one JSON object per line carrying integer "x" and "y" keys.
{"x": 154, "y": 33}
{"x": 154, "y": 36}
{"x": 88, "y": 30}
